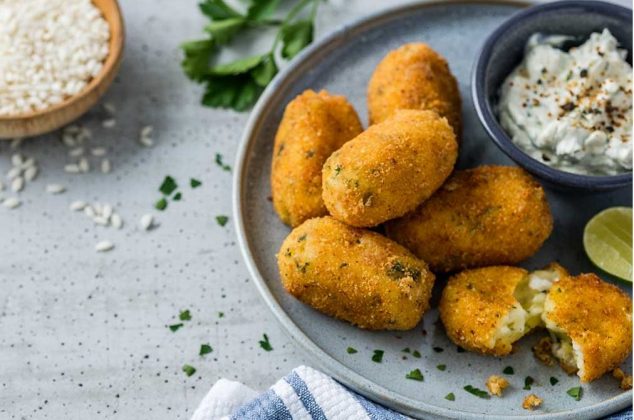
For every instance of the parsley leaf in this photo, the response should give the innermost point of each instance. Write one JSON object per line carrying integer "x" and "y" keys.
{"x": 416, "y": 354}
{"x": 177, "y": 196}
{"x": 237, "y": 92}
{"x": 189, "y": 370}
{"x": 406, "y": 350}
{"x": 553, "y": 380}
{"x": 221, "y": 314}
{"x": 222, "y": 220}
{"x": 197, "y": 57}
{"x": 438, "y": 349}
{"x": 528, "y": 381}
{"x": 175, "y": 327}
{"x": 265, "y": 71}
{"x": 205, "y": 349}
{"x": 217, "y": 9}
{"x": 441, "y": 367}
{"x": 161, "y": 204}
{"x": 576, "y": 392}
{"x": 220, "y": 163}
{"x": 185, "y": 315}
{"x": 351, "y": 350}
{"x": 262, "y": 9}
{"x": 265, "y": 343}
{"x": 194, "y": 183}
{"x": 295, "y": 37}
{"x": 477, "y": 392}
{"x": 508, "y": 370}
{"x": 450, "y": 397}
{"x": 377, "y": 357}
{"x": 415, "y": 375}
{"x": 168, "y": 186}
{"x": 223, "y": 30}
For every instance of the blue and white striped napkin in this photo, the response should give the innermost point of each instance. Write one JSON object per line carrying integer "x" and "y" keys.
{"x": 304, "y": 394}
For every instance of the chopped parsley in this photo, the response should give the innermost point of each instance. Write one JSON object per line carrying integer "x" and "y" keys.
{"x": 508, "y": 370}
{"x": 177, "y": 196}
{"x": 377, "y": 357}
{"x": 161, "y": 204}
{"x": 175, "y": 327}
{"x": 220, "y": 163}
{"x": 460, "y": 350}
{"x": 576, "y": 392}
{"x": 205, "y": 349}
{"x": 416, "y": 354}
{"x": 441, "y": 367}
{"x": 406, "y": 350}
{"x": 553, "y": 380}
{"x": 438, "y": 349}
{"x": 221, "y": 314}
{"x": 528, "y": 381}
{"x": 189, "y": 370}
{"x": 194, "y": 183}
{"x": 398, "y": 271}
{"x": 185, "y": 315}
{"x": 168, "y": 186}
{"x": 222, "y": 220}
{"x": 265, "y": 343}
{"x": 477, "y": 392}
{"x": 415, "y": 375}
{"x": 450, "y": 397}
{"x": 351, "y": 350}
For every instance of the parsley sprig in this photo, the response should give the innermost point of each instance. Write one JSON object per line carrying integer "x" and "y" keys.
{"x": 239, "y": 83}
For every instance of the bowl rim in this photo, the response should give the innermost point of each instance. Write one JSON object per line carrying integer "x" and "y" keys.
{"x": 111, "y": 61}
{"x": 487, "y": 117}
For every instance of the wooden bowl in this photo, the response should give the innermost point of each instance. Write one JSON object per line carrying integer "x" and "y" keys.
{"x": 35, "y": 123}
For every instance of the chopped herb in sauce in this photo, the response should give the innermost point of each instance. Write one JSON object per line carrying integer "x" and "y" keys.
{"x": 222, "y": 220}
{"x": 351, "y": 350}
{"x": 377, "y": 357}
{"x": 528, "y": 381}
{"x": 221, "y": 314}
{"x": 265, "y": 343}
{"x": 189, "y": 370}
{"x": 576, "y": 392}
{"x": 415, "y": 375}
{"x": 205, "y": 349}
{"x": 185, "y": 315}
{"x": 477, "y": 392}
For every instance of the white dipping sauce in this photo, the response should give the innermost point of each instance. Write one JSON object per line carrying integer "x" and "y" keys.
{"x": 571, "y": 110}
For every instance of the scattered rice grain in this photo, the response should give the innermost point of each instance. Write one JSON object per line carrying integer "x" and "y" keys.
{"x": 17, "y": 184}
{"x": 30, "y": 173}
{"x": 104, "y": 246}
{"x": 109, "y": 123}
{"x": 71, "y": 168}
{"x": 98, "y": 151}
{"x": 116, "y": 221}
{"x": 55, "y": 188}
{"x": 11, "y": 202}
{"x": 146, "y": 222}
{"x": 77, "y": 205}
{"x": 106, "y": 166}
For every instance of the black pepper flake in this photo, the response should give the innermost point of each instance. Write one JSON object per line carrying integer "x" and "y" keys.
{"x": 568, "y": 106}
{"x": 583, "y": 73}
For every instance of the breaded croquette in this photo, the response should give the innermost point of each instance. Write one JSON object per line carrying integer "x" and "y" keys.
{"x": 489, "y": 215}
{"x": 414, "y": 76}
{"x": 355, "y": 275}
{"x": 591, "y": 325}
{"x": 486, "y": 310}
{"x": 531, "y": 402}
{"x": 496, "y": 385}
{"x": 313, "y": 126}
{"x": 389, "y": 169}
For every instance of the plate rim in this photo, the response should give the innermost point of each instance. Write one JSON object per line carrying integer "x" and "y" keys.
{"x": 325, "y": 361}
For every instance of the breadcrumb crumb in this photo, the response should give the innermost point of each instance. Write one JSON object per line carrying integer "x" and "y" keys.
{"x": 531, "y": 402}
{"x": 496, "y": 385}
{"x": 626, "y": 380}
{"x": 543, "y": 351}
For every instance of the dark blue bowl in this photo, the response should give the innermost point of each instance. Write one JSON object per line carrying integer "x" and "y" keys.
{"x": 504, "y": 50}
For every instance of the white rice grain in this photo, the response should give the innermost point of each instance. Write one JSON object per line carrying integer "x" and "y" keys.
{"x": 77, "y": 205}
{"x": 17, "y": 159}
{"x": 100, "y": 220}
{"x": 146, "y": 222}
{"x": 116, "y": 221}
{"x": 17, "y": 184}
{"x": 89, "y": 211}
{"x": 109, "y": 123}
{"x": 72, "y": 168}
{"x": 11, "y": 202}
{"x": 106, "y": 166}
{"x": 55, "y": 188}
{"x": 30, "y": 173}
{"x": 98, "y": 151}
{"x": 76, "y": 152}
{"x": 104, "y": 246}
{"x": 84, "y": 165}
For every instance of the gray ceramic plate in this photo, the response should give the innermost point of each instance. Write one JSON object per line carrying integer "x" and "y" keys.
{"x": 342, "y": 63}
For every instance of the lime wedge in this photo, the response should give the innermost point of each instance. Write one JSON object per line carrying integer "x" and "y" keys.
{"x": 607, "y": 240}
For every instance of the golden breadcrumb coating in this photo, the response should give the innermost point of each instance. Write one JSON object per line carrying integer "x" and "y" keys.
{"x": 355, "y": 275}
{"x": 414, "y": 76}
{"x": 531, "y": 402}
{"x": 313, "y": 126}
{"x": 389, "y": 169}
{"x": 596, "y": 316}
{"x": 475, "y": 304}
{"x": 625, "y": 381}
{"x": 489, "y": 215}
{"x": 496, "y": 385}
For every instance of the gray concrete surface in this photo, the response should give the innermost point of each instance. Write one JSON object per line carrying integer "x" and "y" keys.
{"x": 84, "y": 335}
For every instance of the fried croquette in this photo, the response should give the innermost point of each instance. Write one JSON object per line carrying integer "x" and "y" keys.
{"x": 414, "y": 76}
{"x": 590, "y": 322}
{"x": 531, "y": 402}
{"x": 486, "y": 310}
{"x": 313, "y": 126}
{"x": 490, "y": 215}
{"x": 356, "y": 275}
{"x": 496, "y": 385}
{"x": 389, "y": 169}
